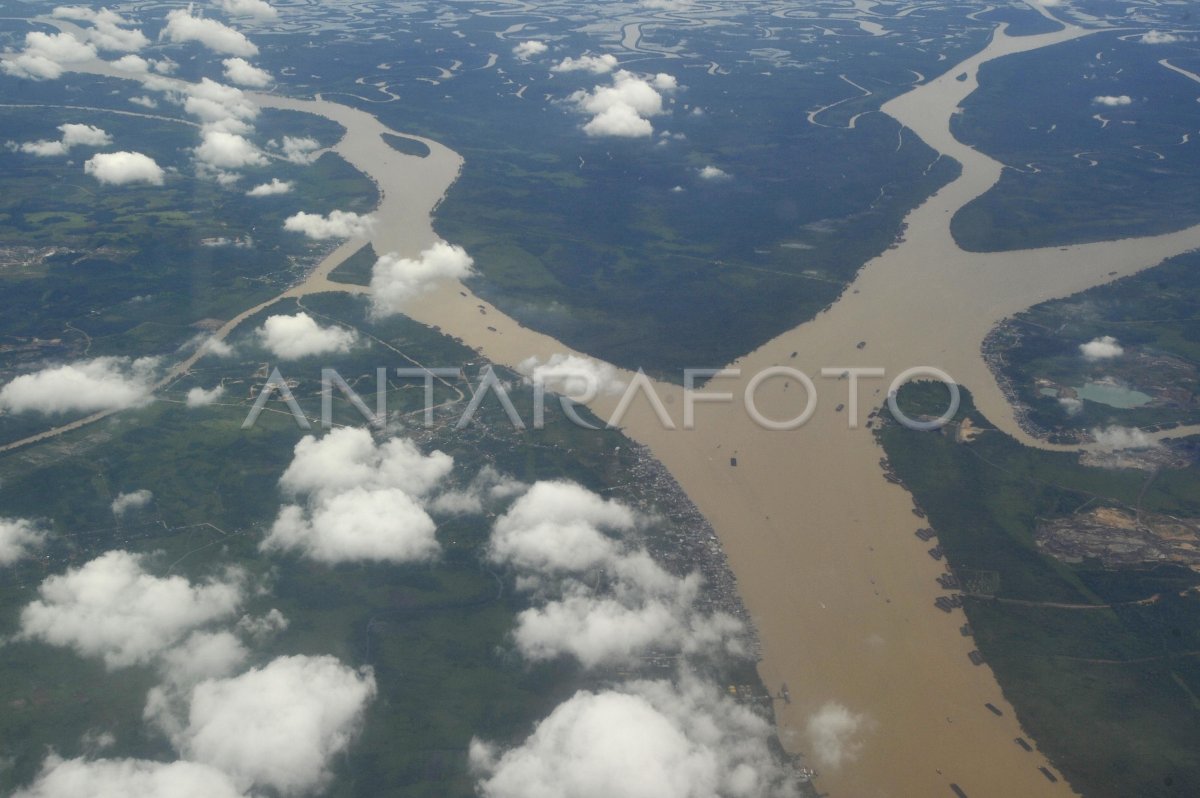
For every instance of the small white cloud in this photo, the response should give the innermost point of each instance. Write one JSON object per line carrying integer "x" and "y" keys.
{"x": 557, "y": 527}
{"x": 641, "y": 739}
{"x": 111, "y": 608}
{"x": 106, "y": 383}
{"x": 624, "y": 108}
{"x": 1159, "y": 37}
{"x": 595, "y": 64}
{"x": 395, "y": 280}
{"x": 228, "y": 151}
{"x": 664, "y": 82}
{"x": 358, "y": 525}
{"x": 216, "y": 36}
{"x": 19, "y": 537}
{"x": 276, "y": 727}
{"x": 144, "y": 101}
{"x": 46, "y": 56}
{"x": 76, "y": 135}
{"x": 298, "y": 150}
{"x": 338, "y": 224}
{"x": 1116, "y": 438}
{"x": 834, "y": 734}
{"x": 203, "y": 655}
{"x": 128, "y": 502}
{"x": 363, "y": 502}
{"x": 529, "y": 49}
{"x": 263, "y": 626}
{"x": 1112, "y": 101}
{"x": 489, "y": 485}
{"x": 619, "y": 121}
{"x": 199, "y": 397}
{"x": 123, "y": 168}
{"x": 135, "y": 778}
{"x": 108, "y": 30}
{"x": 276, "y": 186}
{"x": 1070, "y": 405}
{"x": 573, "y": 375}
{"x": 1103, "y": 348}
{"x": 219, "y": 107}
{"x": 713, "y": 173}
{"x": 243, "y": 73}
{"x": 131, "y": 63}
{"x": 44, "y": 148}
{"x": 73, "y": 135}
{"x": 348, "y": 458}
{"x": 215, "y": 347}
{"x": 298, "y": 336}
{"x": 557, "y": 537}
{"x": 259, "y": 9}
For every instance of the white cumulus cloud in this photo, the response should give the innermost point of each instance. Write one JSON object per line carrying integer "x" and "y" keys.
{"x": 713, "y": 173}
{"x": 1159, "y": 37}
{"x": 294, "y": 337}
{"x": 595, "y": 64}
{"x": 1113, "y": 101}
{"x": 396, "y": 280}
{"x": 835, "y": 734}
{"x": 276, "y": 186}
{"x": 203, "y": 655}
{"x": 279, "y": 726}
{"x": 259, "y": 9}
{"x": 132, "y": 63}
{"x": 105, "y": 383}
{"x": 128, "y": 502}
{"x": 78, "y": 135}
{"x": 338, "y": 224}
{"x": 201, "y": 397}
{"x": 182, "y": 26}
{"x": 113, "y": 609}
{"x": 602, "y": 601}
{"x": 123, "y": 168}
{"x": 298, "y": 149}
{"x": 357, "y": 525}
{"x": 243, "y": 73}
{"x": 128, "y": 778}
{"x": 578, "y": 377}
{"x": 1103, "y": 348}
{"x": 529, "y": 49}
{"x": 73, "y": 135}
{"x": 218, "y": 107}
{"x": 641, "y": 740}
{"x": 488, "y": 486}
{"x": 559, "y": 527}
{"x": 19, "y": 537}
{"x": 1116, "y": 437}
{"x": 228, "y": 151}
{"x": 109, "y": 29}
{"x": 47, "y": 55}
{"x": 624, "y": 108}
{"x": 362, "y": 501}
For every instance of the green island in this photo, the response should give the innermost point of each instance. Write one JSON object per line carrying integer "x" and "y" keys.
{"x": 1124, "y": 354}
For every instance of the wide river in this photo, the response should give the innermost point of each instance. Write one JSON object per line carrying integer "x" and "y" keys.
{"x": 822, "y": 545}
